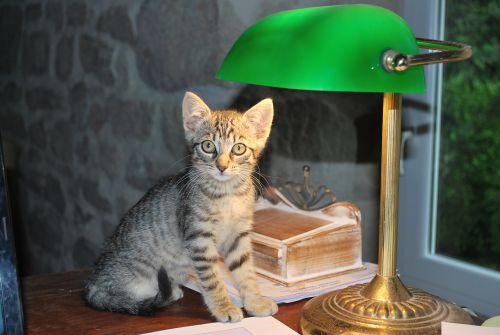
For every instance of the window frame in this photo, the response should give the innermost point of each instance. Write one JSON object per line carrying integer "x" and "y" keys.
{"x": 463, "y": 283}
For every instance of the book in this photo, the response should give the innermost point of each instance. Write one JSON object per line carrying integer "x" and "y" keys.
{"x": 292, "y": 245}
{"x": 11, "y": 314}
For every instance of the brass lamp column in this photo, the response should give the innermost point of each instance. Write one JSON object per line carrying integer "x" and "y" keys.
{"x": 385, "y": 305}
{"x": 389, "y": 183}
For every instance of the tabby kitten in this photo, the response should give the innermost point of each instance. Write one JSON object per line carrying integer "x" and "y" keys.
{"x": 187, "y": 222}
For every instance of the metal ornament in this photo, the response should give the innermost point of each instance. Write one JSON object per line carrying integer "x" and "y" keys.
{"x": 305, "y": 196}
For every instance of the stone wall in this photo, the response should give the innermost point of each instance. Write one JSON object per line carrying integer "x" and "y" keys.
{"x": 90, "y": 95}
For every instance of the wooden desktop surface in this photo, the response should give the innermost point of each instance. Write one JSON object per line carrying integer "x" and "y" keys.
{"x": 53, "y": 305}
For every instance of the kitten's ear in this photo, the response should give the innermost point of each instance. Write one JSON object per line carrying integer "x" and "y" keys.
{"x": 194, "y": 112}
{"x": 260, "y": 118}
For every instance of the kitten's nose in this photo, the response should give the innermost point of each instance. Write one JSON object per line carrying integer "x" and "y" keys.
{"x": 221, "y": 168}
{"x": 222, "y": 163}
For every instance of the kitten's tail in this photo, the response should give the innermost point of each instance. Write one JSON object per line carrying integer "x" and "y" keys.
{"x": 162, "y": 298}
{"x": 120, "y": 301}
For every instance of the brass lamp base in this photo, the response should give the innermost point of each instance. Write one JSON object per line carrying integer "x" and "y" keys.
{"x": 384, "y": 306}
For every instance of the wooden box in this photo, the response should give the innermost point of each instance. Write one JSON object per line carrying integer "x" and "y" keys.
{"x": 292, "y": 245}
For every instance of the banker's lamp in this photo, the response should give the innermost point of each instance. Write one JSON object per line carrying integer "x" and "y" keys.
{"x": 356, "y": 48}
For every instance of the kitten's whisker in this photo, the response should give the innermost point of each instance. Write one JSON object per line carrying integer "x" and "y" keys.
{"x": 258, "y": 185}
{"x": 177, "y": 161}
{"x": 193, "y": 176}
{"x": 247, "y": 173}
{"x": 265, "y": 178}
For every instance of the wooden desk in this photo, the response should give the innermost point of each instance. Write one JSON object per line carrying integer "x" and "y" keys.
{"x": 53, "y": 305}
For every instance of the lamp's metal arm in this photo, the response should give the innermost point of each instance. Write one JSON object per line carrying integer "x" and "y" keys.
{"x": 446, "y": 52}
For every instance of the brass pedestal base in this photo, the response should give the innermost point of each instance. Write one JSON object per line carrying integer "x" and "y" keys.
{"x": 361, "y": 309}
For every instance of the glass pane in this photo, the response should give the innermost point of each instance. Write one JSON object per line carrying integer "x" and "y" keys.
{"x": 468, "y": 204}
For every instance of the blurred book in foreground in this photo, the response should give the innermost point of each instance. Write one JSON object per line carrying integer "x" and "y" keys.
{"x": 247, "y": 326}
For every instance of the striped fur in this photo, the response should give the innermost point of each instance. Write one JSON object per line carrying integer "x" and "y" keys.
{"x": 189, "y": 222}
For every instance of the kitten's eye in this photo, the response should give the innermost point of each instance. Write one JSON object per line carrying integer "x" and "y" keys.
{"x": 208, "y": 146}
{"x": 239, "y": 149}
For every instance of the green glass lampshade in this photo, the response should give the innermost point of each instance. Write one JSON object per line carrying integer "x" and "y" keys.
{"x": 333, "y": 48}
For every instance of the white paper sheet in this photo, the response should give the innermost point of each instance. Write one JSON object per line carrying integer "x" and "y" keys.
{"x": 448, "y": 328}
{"x": 284, "y": 294}
{"x": 248, "y": 326}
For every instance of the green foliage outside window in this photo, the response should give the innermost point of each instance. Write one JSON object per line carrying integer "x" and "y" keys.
{"x": 468, "y": 215}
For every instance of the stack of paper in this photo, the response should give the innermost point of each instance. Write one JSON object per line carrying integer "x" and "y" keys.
{"x": 284, "y": 294}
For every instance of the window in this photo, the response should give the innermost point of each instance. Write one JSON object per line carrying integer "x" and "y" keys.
{"x": 449, "y": 222}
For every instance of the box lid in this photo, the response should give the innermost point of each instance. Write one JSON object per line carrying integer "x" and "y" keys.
{"x": 281, "y": 224}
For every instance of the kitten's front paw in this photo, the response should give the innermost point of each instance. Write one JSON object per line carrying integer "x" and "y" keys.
{"x": 228, "y": 313}
{"x": 261, "y": 306}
